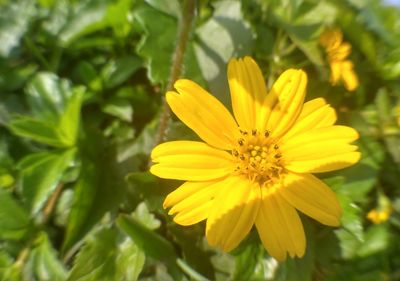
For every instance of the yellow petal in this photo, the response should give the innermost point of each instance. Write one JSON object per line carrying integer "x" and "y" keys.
{"x": 336, "y": 72}
{"x": 191, "y": 201}
{"x": 280, "y": 227}
{"x": 331, "y": 39}
{"x": 326, "y": 164}
{"x": 321, "y": 150}
{"x": 312, "y": 197}
{"x": 233, "y": 213}
{"x": 340, "y": 53}
{"x": 248, "y": 91}
{"x": 190, "y": 160}
{"x": 350, "y": 78}
{"x": 203, "y": 113}
{"x": 315, "y": 114}
{"x": 285, "y": 101}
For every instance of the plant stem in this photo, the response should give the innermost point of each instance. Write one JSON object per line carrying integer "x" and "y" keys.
{"x": 51, "y": 203}
{"x": 185, "y": 26}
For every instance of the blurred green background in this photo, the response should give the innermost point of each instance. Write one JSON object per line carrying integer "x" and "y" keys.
{"x": 81, "y": 86}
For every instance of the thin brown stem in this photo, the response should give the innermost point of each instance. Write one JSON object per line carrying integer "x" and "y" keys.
{"x": 51, "y": 203}
{"x": 185, "y": 26}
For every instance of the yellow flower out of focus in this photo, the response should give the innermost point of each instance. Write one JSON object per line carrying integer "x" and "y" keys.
{"x": 379, "y": 216}
{"x": 255, "y": 168}
{"x": 337, "y": 51}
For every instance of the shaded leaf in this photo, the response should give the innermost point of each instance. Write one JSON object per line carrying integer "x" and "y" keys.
{"x": 12, "y": 226}
{"x": 41, "y": 173}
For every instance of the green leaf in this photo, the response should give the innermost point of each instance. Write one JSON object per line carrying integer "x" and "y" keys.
{"x": 118, "y": 71}
{"x": 246, "y": 262}
{"x": 158, "y": 42}
{"x": 14, "y": 20}
{"x": 103, "y": 259}
{"x": 376, "y": 240}
{"x": 41, "y": 173}
{"x": 149, "y": 242}
{"x": 224, "y": 35}
{"x": 45, "y": 261}
{"x": 99, "y": 189}
{"x": 48, "y": 96}
{"x": 171, "y": 7}
{"x": 120, "y": 108}
{"x": 83, "y": 199}
{"x": 56, "y": 107}
{"x": 146, "y": 218}
{"x": 86, "y": 17}
{"x": 37, "y": 130}
{"x": 70, "y": 119}
{"x": 14, "y": 220}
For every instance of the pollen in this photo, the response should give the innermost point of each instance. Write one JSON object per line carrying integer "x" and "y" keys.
{"x": 258, "y": 157}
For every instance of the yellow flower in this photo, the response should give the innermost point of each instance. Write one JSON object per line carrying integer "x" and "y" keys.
{"x": 256, "y": 168}
{"x": 337, "y": 52}
{"x": 379, "y": 216}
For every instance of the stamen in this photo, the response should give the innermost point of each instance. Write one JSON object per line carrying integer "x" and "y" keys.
{"x": 258, "y": 159}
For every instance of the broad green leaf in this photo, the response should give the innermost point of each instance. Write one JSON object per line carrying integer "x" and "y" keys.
{"x": 225, "y": 35}
{"x": 118, "y": 71}
{"x": 377, "y": 239}
{"x": 362, "y": 177}
{"x": 99, "y": 189}
{"x": 38, "y": 130}
{"x": 86, "y": 16}
{"x": 41, "y": 173}
{"x": 14, "y": 19}
{"x": 171, "y": 7}
{"x": 104, "y": 258}
{"x": 56, "y": 106}
{"x": 48, "y": 96}
{"x": 45, "y": 262}
{"x": 14, "y": 219}
{"x": 70, "y": 119}
{"x": 151, "y": 243}
{"x": 158, "y": 41}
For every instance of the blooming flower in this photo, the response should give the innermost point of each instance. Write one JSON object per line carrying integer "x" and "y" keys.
{"x": 254, "y": 169}
{"x": 337, "y": 51}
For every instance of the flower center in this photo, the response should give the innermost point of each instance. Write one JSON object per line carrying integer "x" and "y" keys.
{"x": 258, "y": 157}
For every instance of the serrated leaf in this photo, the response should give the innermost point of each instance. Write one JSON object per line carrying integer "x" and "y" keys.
{"x": 41, "y": 173}
{"x": 158, "y": 43}
{"x": 12, "y": 226}
{"x": 56, "y": 106}
{"x": 103, "y": 259}
{"x": 143, "y": 216}
{"x": 149, "y": 242}
{"x": 45, "y": 262}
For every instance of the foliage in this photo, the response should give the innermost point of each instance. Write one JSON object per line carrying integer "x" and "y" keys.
{"x": 81, "y": 86}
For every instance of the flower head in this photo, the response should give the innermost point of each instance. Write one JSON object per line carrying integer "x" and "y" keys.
{"x": 337, "y": 51}
{"x": 255, "y": 168}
